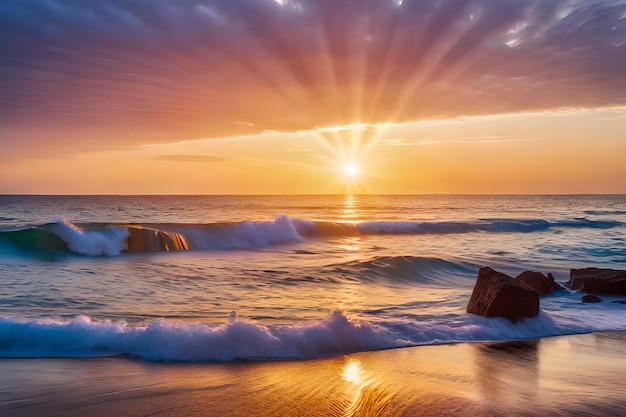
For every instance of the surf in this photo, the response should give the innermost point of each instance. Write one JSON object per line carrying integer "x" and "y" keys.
{"x": 239, "y": 339}
{"x": 111, "y": 239}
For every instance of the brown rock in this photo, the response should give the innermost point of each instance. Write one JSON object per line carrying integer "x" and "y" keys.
{"x": 598, "y": 281}
{"x": 143, "y": 239}
{"x": 591, "y": 298}
{"x": 544, "y": 285}
{"x": 499, "y": 295}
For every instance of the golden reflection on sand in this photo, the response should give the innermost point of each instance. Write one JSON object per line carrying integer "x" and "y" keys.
{"x": 581, "y": 375}
{"x": 353, "y": 371}
{"x": 500, "y": 366}
{"x": 369, "y": 398}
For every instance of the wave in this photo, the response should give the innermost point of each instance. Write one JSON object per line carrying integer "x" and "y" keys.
{"x": 113, "y": 239}
{"x": 64, "y": 236}
{"x": 99, "y": 239}
{"x": 166, "y": 340}
{"x": 605, "y": 212}
{"x": 583, "y": 222}
{"x": 416, "y": 269}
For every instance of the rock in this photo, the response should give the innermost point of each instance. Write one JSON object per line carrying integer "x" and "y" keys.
{"x": 619, "y": 302}
{"x": 598, "y": 281}
{"x": 143, "y": 239}
{"x": 498, "y": 295}
{"x": 591, "y": 298}
{"x": 544, "y": 285}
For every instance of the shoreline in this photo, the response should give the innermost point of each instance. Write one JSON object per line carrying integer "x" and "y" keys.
{"x": 556, "y": 376}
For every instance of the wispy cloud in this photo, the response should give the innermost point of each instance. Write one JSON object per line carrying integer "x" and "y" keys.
{"x": 457, "y": 139}
{"x": 492, "y": 139}
{"x": 191, "y": 158}
{"x": 401, "y": 142}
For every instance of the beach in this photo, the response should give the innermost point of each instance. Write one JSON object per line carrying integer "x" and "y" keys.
{"x": 312, "y": 208}
{"x": 579, "y": 375}
{"x": 303, "y": 306}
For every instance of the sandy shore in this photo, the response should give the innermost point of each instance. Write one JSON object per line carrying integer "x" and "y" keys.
{"x": 564, "y": 376}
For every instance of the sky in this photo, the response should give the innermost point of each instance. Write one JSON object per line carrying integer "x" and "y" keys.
{"x": 312, "y": 96}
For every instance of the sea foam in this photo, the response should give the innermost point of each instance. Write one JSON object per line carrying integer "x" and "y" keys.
{"x": 237, "y": 339}
{"x": 241, "y": 235}
{"x": 166, "y": 340}
{"x": 94, "y": 242}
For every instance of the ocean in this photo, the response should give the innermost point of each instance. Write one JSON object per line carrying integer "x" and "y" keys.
{"x": 288, "y": 278}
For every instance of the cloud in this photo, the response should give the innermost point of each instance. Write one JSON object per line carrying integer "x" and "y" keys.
{"x": 493, "y": 139}
{"x": 464, "y": 140}
{"x": 113, "y": 73}
{"x": 190, "y": 158}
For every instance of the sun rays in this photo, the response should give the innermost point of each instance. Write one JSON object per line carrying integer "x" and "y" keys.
{"x": 346, "y": 154}
{"x": 311, "y": 96}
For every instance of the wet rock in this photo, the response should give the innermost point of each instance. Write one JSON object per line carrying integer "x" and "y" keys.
{"x": 598, "y": 281}
{"x": 591, "y": 298}
{"x": 498, "y": 295}
{"x": 143, "y": 239}
{"x": 544, "y": 285}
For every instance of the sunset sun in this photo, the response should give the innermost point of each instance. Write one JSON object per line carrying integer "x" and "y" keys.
{"x": 351, "y": 170}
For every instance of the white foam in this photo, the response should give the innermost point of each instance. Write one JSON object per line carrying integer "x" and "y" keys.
{"x": 166, "y": 340}
{"x": 177, "y": 341}
{"x": 95, "y": 242}
{"x": 247, "y": 234}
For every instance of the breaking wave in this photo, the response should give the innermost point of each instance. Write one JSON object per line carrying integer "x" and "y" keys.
{"x": 108, "y": 239}
{"x": 166, "y": 340}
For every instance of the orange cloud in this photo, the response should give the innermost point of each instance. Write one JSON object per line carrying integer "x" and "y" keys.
{"x": 111, "y": 74}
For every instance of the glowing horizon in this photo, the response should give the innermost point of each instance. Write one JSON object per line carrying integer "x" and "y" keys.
{"x": 459, "y": 96}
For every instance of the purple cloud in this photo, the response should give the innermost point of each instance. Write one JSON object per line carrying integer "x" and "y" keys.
{"x": 107, "y": 73}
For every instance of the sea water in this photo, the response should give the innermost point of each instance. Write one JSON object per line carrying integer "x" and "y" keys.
{"x": 288, "y": 277}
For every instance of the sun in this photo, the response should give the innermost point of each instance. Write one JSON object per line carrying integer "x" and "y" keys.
{"x": 351, "y": 170}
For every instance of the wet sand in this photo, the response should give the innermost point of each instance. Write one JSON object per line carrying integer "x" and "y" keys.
{"x": 564, "y": 376}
